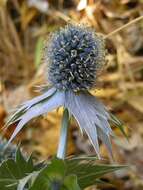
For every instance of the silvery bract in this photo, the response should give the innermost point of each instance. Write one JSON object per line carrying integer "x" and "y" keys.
{"x": 74, "y": 56}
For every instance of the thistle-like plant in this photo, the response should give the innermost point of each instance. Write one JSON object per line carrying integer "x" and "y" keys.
{"x": 74, "y": 56}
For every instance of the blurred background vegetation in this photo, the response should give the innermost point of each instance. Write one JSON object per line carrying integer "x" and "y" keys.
{"x": 24, "y": 25}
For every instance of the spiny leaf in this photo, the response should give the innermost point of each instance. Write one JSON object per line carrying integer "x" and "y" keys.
{"x": 24, "y": 166}
{"x": 14, "y": 173}
{"x": 88, "y": 171}
{"x": 52, "y": 175}
{"x": 23, "y": 182}
{"x": 71, "y": 183}
{"x": 70, "y": 174}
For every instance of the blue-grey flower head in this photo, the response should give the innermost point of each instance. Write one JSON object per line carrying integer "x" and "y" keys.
{"x": 74, "y": 54}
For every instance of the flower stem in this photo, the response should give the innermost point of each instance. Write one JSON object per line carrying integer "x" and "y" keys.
{"x": 61, "y": 153}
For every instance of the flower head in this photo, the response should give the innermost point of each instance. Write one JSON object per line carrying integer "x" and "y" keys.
{"x": 74, "y": 54}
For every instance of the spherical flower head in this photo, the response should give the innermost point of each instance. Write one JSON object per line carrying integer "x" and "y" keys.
{"x": 74, "y": 55}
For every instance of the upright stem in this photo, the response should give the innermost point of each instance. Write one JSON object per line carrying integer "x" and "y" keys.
{"x": 61, "y": 153}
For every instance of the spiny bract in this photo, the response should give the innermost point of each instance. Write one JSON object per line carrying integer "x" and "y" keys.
{"x": 74, "y": 54}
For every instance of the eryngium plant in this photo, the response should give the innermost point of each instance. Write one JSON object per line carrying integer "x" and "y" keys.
{"x": 74, "y": 56}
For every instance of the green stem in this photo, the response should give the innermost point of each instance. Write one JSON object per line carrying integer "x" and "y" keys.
{"x": 61, "y": 153}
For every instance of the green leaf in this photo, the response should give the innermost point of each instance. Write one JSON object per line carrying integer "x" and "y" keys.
{"x": 13, "y": 172}
{"x": 88, "y": 171}
{"x": 71, "y": 183}
{"x": 57, "y": 169}
{"x": 24, "y": 166}
{"x": 70, "y": 174}
{"x": 51, "y": 176}
{"x": 89, "y": 176}
{"x": 22, "y": 182}
{"x": 42, "y": 181}
{"x": 9, "y": 173}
